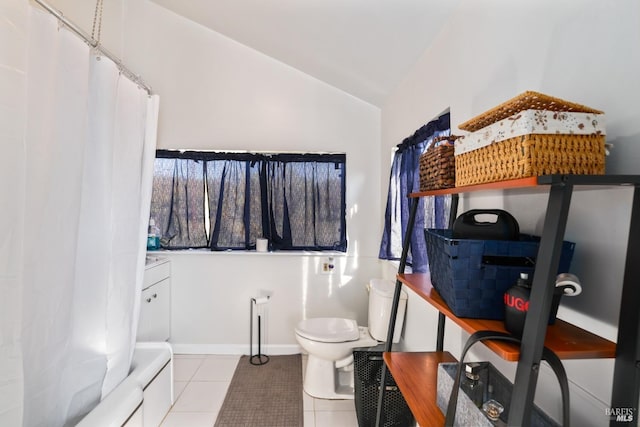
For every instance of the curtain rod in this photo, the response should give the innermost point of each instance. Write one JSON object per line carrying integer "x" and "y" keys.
{"x": 96, "y": 45}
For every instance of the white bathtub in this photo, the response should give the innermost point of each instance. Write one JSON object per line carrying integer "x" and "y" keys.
{"x": 144, "y": 397}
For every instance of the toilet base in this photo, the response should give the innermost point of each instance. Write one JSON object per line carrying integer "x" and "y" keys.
{"x": 323, "y": 380}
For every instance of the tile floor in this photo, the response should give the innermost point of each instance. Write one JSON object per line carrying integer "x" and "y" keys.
{"x": 200, "y": 384}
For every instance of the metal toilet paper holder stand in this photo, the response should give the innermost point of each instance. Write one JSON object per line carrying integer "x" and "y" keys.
{"x": 259, "y": 358}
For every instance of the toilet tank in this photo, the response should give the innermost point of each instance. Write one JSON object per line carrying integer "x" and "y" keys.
{"x": 380, "y": 301}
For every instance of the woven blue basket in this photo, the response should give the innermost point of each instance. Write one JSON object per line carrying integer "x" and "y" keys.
{"x": 473, "y": 275}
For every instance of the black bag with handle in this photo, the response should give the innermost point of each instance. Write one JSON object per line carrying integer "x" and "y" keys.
{"x": 467, "y": 226}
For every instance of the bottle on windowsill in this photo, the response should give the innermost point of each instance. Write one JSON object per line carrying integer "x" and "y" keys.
{"x": 153, "y": 236}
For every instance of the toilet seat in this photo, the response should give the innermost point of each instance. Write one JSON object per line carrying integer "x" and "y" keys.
{"x": 328, "y": 329}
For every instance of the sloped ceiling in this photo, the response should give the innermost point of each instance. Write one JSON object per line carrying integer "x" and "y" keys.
{"x": 363, "y": 47}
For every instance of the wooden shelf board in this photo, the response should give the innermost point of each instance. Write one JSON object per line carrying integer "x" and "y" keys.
{"x": 416, "y": 374}
{"x": 501, "y": 185}
{"x": 538, "y": 181}
{"x": 566, "y": 340}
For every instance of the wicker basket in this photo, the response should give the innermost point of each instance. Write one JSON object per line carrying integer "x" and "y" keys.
{"x": 529, "y": 100}
{"x": 531, "y": 154}
{"x": 437, "y": 165}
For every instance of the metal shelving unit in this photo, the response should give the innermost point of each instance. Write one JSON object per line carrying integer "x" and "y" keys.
{"x": 626, "y": 381}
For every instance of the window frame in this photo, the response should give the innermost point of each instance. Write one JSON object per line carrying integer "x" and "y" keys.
{"x": 273, "y": 234}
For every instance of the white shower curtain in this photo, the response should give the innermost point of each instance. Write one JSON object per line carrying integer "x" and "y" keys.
{"x": 90, "y": 143}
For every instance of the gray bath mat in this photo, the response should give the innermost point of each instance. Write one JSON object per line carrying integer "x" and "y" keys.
{"x": 264, "y": 395}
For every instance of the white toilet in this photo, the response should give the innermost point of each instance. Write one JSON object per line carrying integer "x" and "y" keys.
{"x": 330, "y": 341}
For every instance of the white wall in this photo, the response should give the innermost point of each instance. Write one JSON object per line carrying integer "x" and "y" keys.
{"x": 585, "y": 52}
{"x": 13, "y": 63}
{"x": 211, "y": 297}
{"x": 218, "y": 94}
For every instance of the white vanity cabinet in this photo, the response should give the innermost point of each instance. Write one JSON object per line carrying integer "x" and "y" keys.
{"x": 155, "y": 307}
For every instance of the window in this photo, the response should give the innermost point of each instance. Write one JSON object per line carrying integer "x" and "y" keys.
{"x": 405, "y": 179}
{"x": 226, "y": 200}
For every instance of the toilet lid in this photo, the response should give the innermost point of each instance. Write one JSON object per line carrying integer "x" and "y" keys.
{"x": 329, "y": 329}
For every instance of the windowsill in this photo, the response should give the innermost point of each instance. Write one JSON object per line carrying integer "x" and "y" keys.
{"x": 203, "y": 251}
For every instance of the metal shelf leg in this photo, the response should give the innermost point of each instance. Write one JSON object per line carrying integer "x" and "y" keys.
{"x": 396, "y": 300}
{"x": 626, "y": 374}
{"x": 535, "y": 327}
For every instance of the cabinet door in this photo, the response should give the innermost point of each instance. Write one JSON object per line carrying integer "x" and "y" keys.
{"x": 155, "y": 312}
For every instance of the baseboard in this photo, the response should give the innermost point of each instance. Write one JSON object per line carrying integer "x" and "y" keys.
{"x": 180, "y": 348}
